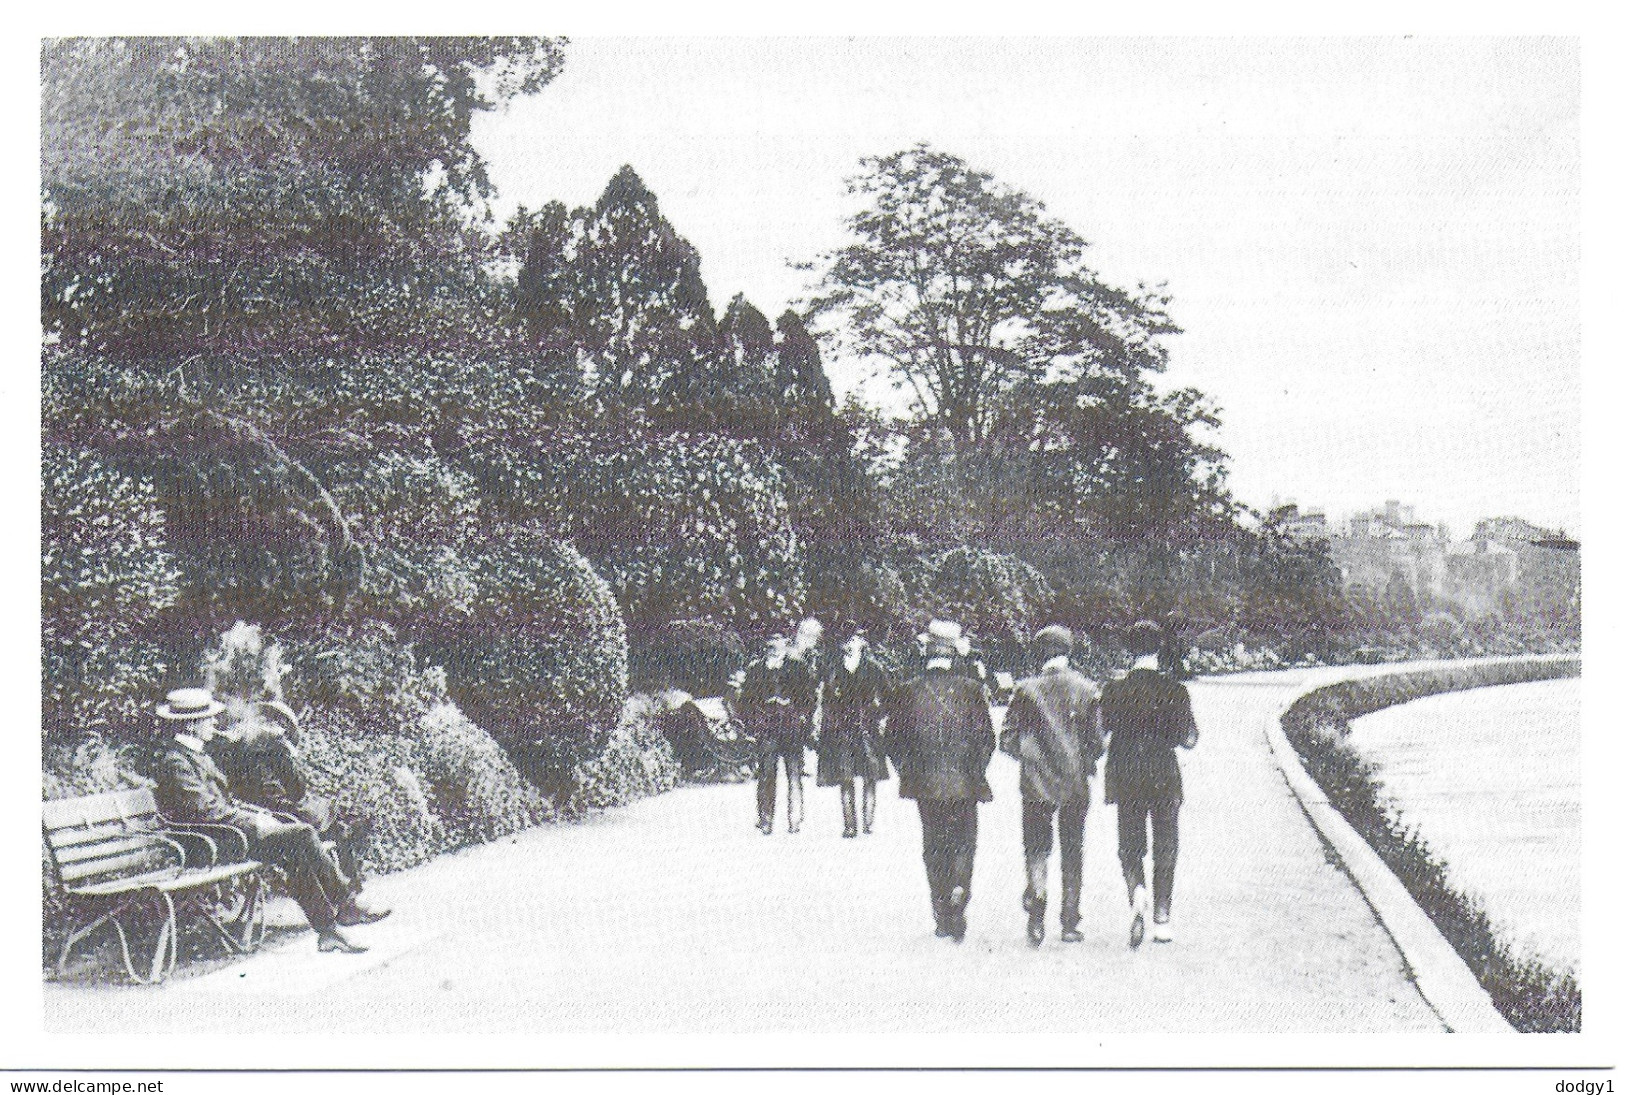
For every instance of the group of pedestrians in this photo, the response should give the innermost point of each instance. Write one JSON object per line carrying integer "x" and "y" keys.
{"x": 936, "y": 726}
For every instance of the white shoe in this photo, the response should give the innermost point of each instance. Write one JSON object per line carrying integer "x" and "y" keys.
{"x": 1136, "y": 928}
{"x": 1162, "y": 933}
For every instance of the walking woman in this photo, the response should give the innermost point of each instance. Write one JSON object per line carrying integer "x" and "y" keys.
{"x": 1147, "y": 716}
{"x": 850, "y": 751}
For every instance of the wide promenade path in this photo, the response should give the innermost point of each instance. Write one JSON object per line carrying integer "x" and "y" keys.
{"x": 676, "y": 915}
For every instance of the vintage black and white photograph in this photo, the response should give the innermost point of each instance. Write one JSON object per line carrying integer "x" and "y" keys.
{"x": 655, "y": 536}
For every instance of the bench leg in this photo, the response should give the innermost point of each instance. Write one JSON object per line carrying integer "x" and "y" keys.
{"x": 246, "y": 929}
{"x": 76, "y": 937}
{"x": 165, "y": 950}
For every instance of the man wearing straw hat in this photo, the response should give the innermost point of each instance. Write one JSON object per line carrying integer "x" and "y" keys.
{"x": 192, "y": 790}
{"x": 939, "y": 733}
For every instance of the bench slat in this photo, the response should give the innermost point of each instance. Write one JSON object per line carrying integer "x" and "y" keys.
{"x": 144, "y": 859}
{"x": 111, "y": 845}
{"x": 90, "y": 810}
{"x": 72, "y": 838}
{"x": 159, "y": 881}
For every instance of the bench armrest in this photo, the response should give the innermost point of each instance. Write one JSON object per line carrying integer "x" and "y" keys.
{"x": 229, "y": 844}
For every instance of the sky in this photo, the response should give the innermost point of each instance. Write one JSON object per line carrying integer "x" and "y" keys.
{"x": 1373, "y": 245}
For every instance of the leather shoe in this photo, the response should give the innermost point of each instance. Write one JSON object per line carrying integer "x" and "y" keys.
{"x": 353, "y": 914}
{"x": 766, "y": 827}
{"x": 848, "y": 834}
{"x": 1035, "y": 921}
{"x": 957, "y": 900}
{"x": 333, "y": 942}
{"x": 1136, "y": 927}
{"x": 1071, "y": 935}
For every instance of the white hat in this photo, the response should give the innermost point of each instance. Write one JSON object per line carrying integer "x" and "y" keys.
{"x": 942, "y": 635}
{"x": 187, "y": 704}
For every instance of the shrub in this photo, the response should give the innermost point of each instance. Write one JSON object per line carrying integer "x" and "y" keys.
{"x": 993, "y": 596}
{"x": 106, "y": 577}
{"x": 413, "y": 517}
{"x": 541, "y": 663}
{"x": 1532, "y": 995}
{"x": 697, "y": 656}
{"x": 635, "y": 763}
{"x": 685, "y": 526}
{"x": 473, "y": 787}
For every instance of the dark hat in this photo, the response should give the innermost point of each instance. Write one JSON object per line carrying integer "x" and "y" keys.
{"x": 1143, "y": 637}
{"x": 1054, "y": 638}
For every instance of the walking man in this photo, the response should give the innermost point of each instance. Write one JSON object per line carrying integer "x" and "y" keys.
{"x": 1147, "y": 716}
{"x": 1053, "y": 728}
{"x": 939, "y": 733}
{"x": 190, "y": 788}
{"x": 777, "y": 700}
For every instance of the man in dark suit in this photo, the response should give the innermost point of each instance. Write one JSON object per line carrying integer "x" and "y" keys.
{"x": 191, "y": 789}
{"x": 261, "y": 762}
{"x": 1147, "y": 716}
{"x": 777, "y": 701}
{"x": 939, "y": 733}
{"x": 1053, "y": 728}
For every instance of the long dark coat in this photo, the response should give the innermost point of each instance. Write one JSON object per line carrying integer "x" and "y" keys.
{"x": 1146, "y": 716}
{"x": 849, "y": 744}
{"x": 778, "y": 704}
{"x": 939, "y": 733}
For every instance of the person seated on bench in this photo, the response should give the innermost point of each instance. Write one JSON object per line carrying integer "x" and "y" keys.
{"x": 259, "y": 756}
{"x": 190, "y": 788}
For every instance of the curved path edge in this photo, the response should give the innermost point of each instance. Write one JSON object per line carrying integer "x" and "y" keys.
{"x": 1443, "y": 979}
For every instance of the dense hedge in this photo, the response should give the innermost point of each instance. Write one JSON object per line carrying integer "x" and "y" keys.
{"x": 637, "y": 761}
{"x": 993, "y": 596}
{"x": 106, "y": 577}
{"x": 687, "y": 525}
{"x": 541, "y": 661}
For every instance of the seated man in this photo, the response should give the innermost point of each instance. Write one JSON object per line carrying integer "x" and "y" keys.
{"x": 260, "y": 760}
{"x": 191, "y": 789}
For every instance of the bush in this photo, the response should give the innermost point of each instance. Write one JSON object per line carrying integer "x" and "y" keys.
{"x": 472, "y": 786}
{"x": 413, "y": 517}
{"x": 106, "y": 577}
{"x": 541, "y": 663}
{"x": 993, "y": 596}
{"x": 636, "y": 762}
{"x": 686, "y": 526}
{"x": 697, "y": 656}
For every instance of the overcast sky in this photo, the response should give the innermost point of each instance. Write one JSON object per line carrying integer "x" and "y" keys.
{"x": 1372, "y": 244}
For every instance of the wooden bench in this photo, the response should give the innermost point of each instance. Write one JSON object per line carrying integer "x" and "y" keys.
{"x": 118, "y": 862}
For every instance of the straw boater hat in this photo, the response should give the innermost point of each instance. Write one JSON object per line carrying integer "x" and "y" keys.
{"x": 187, "y": 704}
{"x": 942, "y": 637}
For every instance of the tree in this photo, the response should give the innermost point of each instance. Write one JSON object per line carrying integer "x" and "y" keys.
{"x": 964, "y": 288}
{"x": 267, "y": 200}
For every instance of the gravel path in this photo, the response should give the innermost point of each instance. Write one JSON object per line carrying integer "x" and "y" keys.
{"x": 675, "y": 915}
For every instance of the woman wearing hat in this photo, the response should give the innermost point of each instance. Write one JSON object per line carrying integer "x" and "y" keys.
{"x": 1147, "y": 716}
{"x": 850, "y": 751}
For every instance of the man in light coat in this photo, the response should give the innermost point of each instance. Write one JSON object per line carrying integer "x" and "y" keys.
{"x": 939, "y": 733}
{"x": 1053, "y": 728}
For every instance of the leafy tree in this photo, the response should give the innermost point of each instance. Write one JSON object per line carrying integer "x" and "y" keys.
{"x": 964, "y": 288}
{"x": 272, "y": 200}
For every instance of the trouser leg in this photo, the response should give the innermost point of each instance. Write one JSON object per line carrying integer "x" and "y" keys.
{"x": 849, "y": 807}
{"x": 961, "y": 849}
{"x": 1035, "y": 846}
{"x": 349, "y": 845}
{"x": 1164, "y": 855}
{"x": 312, "y": 875}
{"x": 933, "y": 848}
{"x": 1069, "y": 821}
{"x": 793, "y": 761}
{"x": 767, "y": 790}
{"x": 1131, "y": 842}
{"x": 868, "y": 804}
